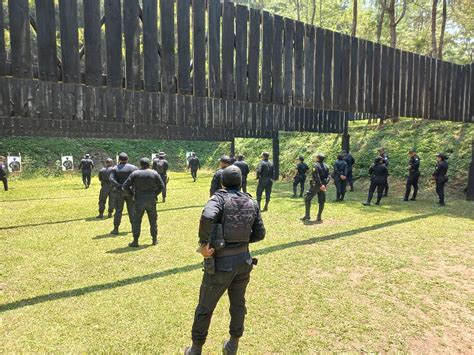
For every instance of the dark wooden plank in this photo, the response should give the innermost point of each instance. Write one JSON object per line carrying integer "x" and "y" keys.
{"x": 131, "y": 31}
{"x": 389, "y": 65}
{"x": 337, "y": 79}
{"x": 361, "y": 76}
{"x": 471, "y": 91}
{"x": 199, "y": 48}
{"x": 318, "y": 68}
{"x": 69, "y": 41}
{"x": 113, "y": 40}
{"x": 267, "y": 39}
{"x": 288, "y": 65}
{"x": 299, "y": 63}
{"x": 409, "y": 95}
{"x": 277, "y": 60}
{"x": 254, "y": 53}
{"x": 354, "y": 71}
{"x": 403, "y": 82}
{"x": 345, "y": 72}
{"x": 416, "y": 70}
{"x": 369, "y": 76}
{"x": 396, "y": 83}
{"x": 376, "y": 78}
{"x": 46, "y": 38}
{"x": 439, "y": 77}
{"x": 20, "y": 38}
{"x": 150, "y": 45}
{"x": 92, "y": 43}
{"x": 427, "y": 88}
{"x": 309, "y": 65}
{"x": 241, "y": 35}
{"x": 167, "y": 47}
{"x": 228, "y": 51}
{"x": 214, "y": 19}
{"x": 3, "y": 53}
{"x": 184, "y": 44}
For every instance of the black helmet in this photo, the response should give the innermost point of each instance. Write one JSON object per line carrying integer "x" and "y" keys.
{"x": 123, "y": 157}
{"x": 144, "y": 162}
{"x": 320, "y": 157}
{"x": 301, "y": 158}
{"x": 232, "y": 176}
{"x": 225, "y": 159}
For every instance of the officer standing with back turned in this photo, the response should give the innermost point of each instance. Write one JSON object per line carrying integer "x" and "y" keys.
{"x": 413, "y": 175}
{"x": 3, "y": 173}
{"x": 145, "y": 184}
{"x": 161, "y": 166}
{"x": 265, "y": 176}
{"x": 118, "y": 176}
{"x": 216, "y": 182}
{"x": 318, "y": 186}
{"x": 440, "y": 176}
{"x": 244, "y": 168}
{"x": 349, "y": 159}
{"x": 340, "y": 176}
{"x": 106, "y": 188}
{"x": 229, "y": 222}
{"x": 86, "y": 165}
{"x": 194, "y": 165}
{"x": 300, "y": 177}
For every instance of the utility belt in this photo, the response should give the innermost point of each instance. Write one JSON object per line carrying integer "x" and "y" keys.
{"x": 232, "y": 251}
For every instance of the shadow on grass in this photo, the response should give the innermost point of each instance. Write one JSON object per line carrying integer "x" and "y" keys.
{"x": 108, "y": 235}
{"x": 128, "y": 249}
{"x": 87, "y": 219}
{"x": 46, "y": 199}
{"x": 179, "y": 208}
{"x": 188, "y": 268}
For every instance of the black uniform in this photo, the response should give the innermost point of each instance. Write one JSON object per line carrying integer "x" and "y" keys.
{"x": 300, "y": 177}
{"x": 216, "y": 182}
{"x": 147, "y": 185}
{"x": 320, "y": 176}
{"x": 86, "y": 167}
{"x": 3, "y": 175}
{"x": 118, "y": 176}
{"x": 378, "y": 180}
{"x": 105, "y": 190}
{"x": 265, "y": 176}
{"x": 194, "y": 166}
{"x": 244, "y": 168}
{"x": 243, "y": 225}
{"x": 349, "y": 159}
{"x": 385, "y": 161}
{"x": 412, "y": 177}
{"x": 161, "y": 166}
{"x": 441, "y": 179}
{"x": 340, "y": 175}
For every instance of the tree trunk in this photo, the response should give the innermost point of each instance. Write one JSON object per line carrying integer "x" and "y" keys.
{"x": 298, "y": 10}
{"x": 380, "y": 22}
{"x": 434, "y": 10}
{"x": 313, "y": 13}
{"x": 443, "y": 28}
{"x": 354, "y": 18}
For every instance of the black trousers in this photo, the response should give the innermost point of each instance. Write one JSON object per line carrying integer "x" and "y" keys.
{"x": 340, "y": 188}
{"x": 440, "y": 190}
{"x": 164, "y": 177}
{"x": 212, "y": 288}
{"x": 265, "y": 185}
{"x": 194, "y": 174}
{"x": 411, "y": 181}
{"x": 385, "y": 188}
{"x": 86, "y": 178}
{"x": 313, "y": 191}
{"x": 244, "y": 183}
{"x": 5, "y": 183}
{"x": 121, "y": 198}
{"x": 106, "y": 193}
{"x": 299, "y": 180}
{"x": 379, "y": 186}
{"x": 350, "y": 179}
{"x": 145, "y": 204}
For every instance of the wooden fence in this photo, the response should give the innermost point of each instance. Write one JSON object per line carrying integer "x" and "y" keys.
{"x": 202, "y": 69}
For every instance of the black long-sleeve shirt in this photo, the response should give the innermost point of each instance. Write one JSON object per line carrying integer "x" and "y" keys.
{"x": 320, "y": 174}
{"x": 265, "y": 171}
{"x": 378, "y": 173}
{"x": 120, "y": 174}
{"x": 104, "y": 175}
{"x": 145, "y": 183}
{"x": 340, "y": 168}
{"x": 414, "y": 166}
{"x": 216, "y": 182}
{"x": 441, "y": 170}
{"x": 243, "y": 166}
{"x": 86, "y": 165}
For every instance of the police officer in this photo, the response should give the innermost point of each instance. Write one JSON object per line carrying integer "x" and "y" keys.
{"x": 340, "y": 176}
{"x": 86, "y": 165}
{"x": 318, "y": 186}
{"x": 244, "y": 168}
{"x": 146, "y": 185}
{"x": 385, "y": 158}
{"x": 238, "y": 218}
{"x": 413, "y": 175}
{"x": 161, "y": 166}
{"x": 118, "y": 176}
{"x": 194, "y": 165}
{"x": 265, "y": 176}
{"x": 440, "y": 176}
{"x": 300, "y": 177}
{"x": 349, "y": 159}
{"x": 216, "y": 182}
{"x": 3, "y": 173}
{"x": 378, "y": 176}
{"x": 106, "y": 189}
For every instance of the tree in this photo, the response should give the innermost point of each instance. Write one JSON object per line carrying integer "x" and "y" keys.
{"x": 354, "y": 18}
{"x": 380, "y": 19}
{"x": 434, "y": 10}
{"x": 443, "y": 29}
{"x": 391, "y": 11}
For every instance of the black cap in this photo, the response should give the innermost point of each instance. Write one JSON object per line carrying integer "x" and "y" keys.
{"x": 144, "y": 162}
{"x": 265, "y": 154}
{"x": 232, "y": 176}
{"x": 301, "y": 158}
{"x": 109, "y": 161}
{"x": 321, "y": 157}
{"x": 161, "y": 155}
{"x": 123, "y": 157}
{"x": 442, "y": 156}
{"x": 412, "y": 150}
{"x": 225, "y": 159}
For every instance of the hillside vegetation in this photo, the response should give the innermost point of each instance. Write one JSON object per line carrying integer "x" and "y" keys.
{"x": 428, "y": 138}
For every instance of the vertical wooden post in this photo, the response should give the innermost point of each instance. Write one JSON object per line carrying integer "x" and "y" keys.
{"x": 232, "y": 147}
{"x": 346, "y": 140}
{"x": 276, "y": 155}
{"x": 470, "y": 179}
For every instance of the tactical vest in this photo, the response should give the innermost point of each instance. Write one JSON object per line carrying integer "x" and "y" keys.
{"x": 238, "y": 218}
{"x": 324, "y": 172}
{"x": 160, "y": 167}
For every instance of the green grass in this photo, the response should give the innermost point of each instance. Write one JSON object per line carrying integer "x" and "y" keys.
{"x": 395, "y": 278}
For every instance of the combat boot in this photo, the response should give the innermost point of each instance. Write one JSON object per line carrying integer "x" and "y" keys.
{"x": 265, "y": 209}
{"x": 154, "y": 241}
{"x": 100, "y": 216}
{"x": 133, "y": 244}
{"x": 366, "y": 203}
{"x": 230, "y": 346}
{"x": 115, "y": 231}
{"x": 194, "y": 349}
{"x": 110, "y": 215}
{"x": 164, "y": 199}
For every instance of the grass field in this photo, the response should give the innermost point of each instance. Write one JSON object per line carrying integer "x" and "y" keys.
{"x": 395, "y": 278}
